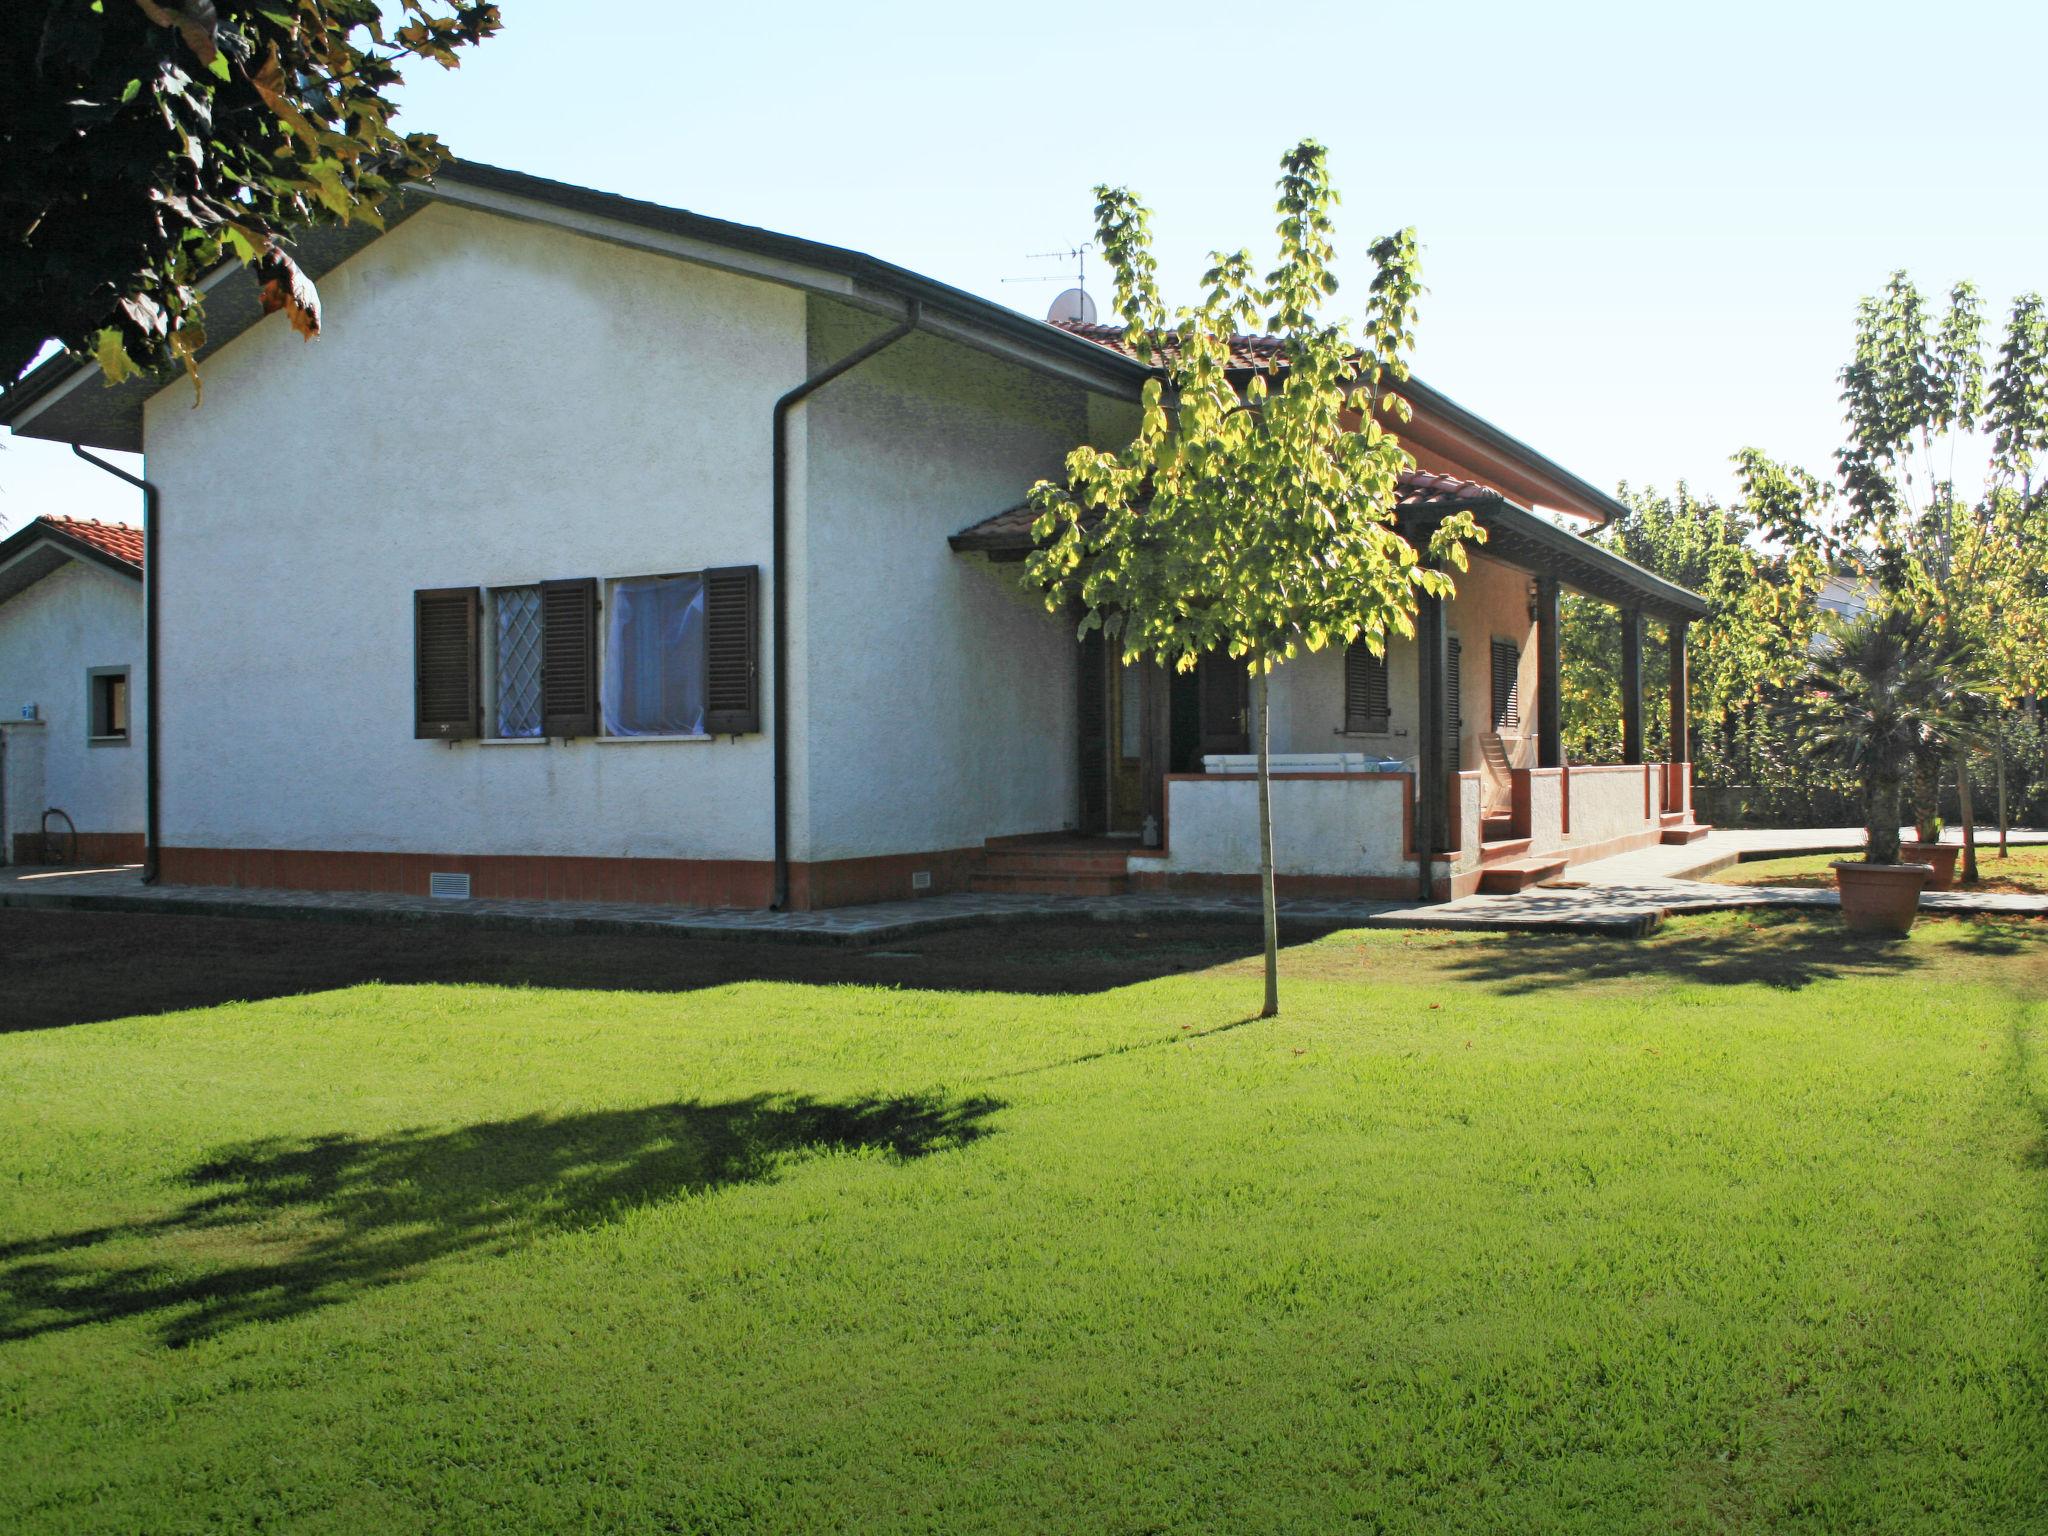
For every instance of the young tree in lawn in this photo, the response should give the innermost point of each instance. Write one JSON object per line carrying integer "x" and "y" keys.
{"x": 144, "y": 141}
{"x": 1977, "y": 569}
{"x": 1258, "y": 523}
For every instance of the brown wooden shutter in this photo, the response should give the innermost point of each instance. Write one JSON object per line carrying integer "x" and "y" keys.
{"x": 1454, "y": 688}
{"x": 732, "y": 653}
{"x": 1507, "y": 669}
{"x": 568, "y": 657}
{"x": 1365, "y": 690}
{"x": 444, "y": 677}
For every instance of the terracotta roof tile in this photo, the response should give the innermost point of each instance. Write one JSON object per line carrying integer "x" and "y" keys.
{"x": 121, "y": 540}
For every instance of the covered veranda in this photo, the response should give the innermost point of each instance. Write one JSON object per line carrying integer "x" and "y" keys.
{"x": 1415, "y": 798}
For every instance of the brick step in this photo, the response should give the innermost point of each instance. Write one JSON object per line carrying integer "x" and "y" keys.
{"x": 1495, "y": 825}
{"x": 1503, "y": 848}
{"x": 1675, "y": 837}
{"x": 1674, "y": 818}
{"x": 1519, "y": 874}
{"x": 1049, "y": 884}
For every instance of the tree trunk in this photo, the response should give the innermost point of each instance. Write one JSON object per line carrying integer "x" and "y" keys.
{"x": 1969, "y": 819}
{"x": 2004, "y": 821}
{"x": 1881, "y": 799}
{"x": 1272, "y": 910}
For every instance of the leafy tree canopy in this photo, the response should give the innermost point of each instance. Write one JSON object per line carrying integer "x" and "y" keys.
{"x": 1755, "y": 637}
{"x": 142, "y": 142}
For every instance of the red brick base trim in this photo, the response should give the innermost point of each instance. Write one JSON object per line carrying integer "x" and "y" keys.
{"x": 541, "y": 877}
{"x": 93, "y": 847}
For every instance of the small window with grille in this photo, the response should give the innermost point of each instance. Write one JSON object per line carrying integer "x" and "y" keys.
{"x": 516, "y": 662}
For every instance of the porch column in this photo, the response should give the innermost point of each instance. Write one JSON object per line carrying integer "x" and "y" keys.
{"x": 1432, "y": 761}
{"x": 1681, "y": 739}
{"x": 1549, "y": 659}
{"x": 1631, "y": 685}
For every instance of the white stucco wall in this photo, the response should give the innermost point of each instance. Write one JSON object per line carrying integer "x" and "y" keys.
{"x": 78, "y": 617}
{"x": 940, "y": 694}
{"x": 491, "y": 402}
{"x": 1492, "y": 602}
{"x": 1321, "y": 826}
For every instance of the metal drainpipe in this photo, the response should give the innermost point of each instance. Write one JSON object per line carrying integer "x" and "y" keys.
{"x": 152, "y": 502}
{"x": 779, "y": 598}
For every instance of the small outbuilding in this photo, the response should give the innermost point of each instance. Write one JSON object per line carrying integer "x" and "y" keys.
{"x": 71, "y": 636}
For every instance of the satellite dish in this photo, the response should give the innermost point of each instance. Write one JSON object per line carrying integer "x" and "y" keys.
{"x": 1073, "y": 305}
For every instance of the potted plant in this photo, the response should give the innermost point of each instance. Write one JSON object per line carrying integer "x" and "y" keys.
{"x": 1926, "y": 846}
{"x": 1884, "y": 693}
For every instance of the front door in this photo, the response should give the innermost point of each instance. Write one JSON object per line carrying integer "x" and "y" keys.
{"x": 1223, "y": 693}
{"x": 1126, "y": 748}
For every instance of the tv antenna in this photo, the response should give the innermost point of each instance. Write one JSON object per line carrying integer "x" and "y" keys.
{"x": 1071, "y": 304}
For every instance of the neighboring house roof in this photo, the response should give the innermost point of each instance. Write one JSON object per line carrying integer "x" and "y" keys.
{"x": 48, "y": 543}
{"x": 121, "y": 540}
{"x": 1513, "y": 533}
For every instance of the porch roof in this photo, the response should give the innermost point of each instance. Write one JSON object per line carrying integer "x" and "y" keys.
{"x": 1514, "y": 535}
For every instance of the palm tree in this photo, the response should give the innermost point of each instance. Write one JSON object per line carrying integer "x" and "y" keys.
{"x": 1887, "y": 693}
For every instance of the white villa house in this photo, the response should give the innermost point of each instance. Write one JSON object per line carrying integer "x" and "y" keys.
{"x": 71, "y": 668}
{"x": 600, "y": 550}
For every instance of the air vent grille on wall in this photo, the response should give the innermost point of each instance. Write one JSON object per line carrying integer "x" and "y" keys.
{"x": 448, "y": 887}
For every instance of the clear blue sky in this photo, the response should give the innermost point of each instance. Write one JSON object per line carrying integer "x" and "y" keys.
{"x": 1645, "y": 227}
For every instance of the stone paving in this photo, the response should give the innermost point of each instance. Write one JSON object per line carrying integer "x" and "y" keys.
{"x": 1630, "y": 894}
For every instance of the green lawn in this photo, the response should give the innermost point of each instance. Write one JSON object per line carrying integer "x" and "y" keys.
{"x": 1739, "y": 1228}
{"x": 2025, "y": 871}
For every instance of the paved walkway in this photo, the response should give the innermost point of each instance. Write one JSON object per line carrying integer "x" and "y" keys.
{"x": 1630, "y": 895}
{"x": 1634, "y": 892}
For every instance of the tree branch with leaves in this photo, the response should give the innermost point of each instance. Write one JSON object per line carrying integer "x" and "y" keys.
{"x": 144, "y": 142}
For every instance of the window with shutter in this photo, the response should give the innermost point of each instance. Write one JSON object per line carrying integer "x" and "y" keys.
{"x": 568, "y": 657}
{"x": 1454, "y": 688}
{"x": 515, "y": 662}
{"x": 1365, "y": 690}
{"x": 732, "y": 666}
{"x": 444, "y": 631}
{"x": 653, "y": 674}
{"x": 1507, "y": 670}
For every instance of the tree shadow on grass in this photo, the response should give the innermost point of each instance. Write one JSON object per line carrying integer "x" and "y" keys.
{"x": 1785, "y": 950}
{"x": 68, "y": 968}
{"x": 280, "y": 1227}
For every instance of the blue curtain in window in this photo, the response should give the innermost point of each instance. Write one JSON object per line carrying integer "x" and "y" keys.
{"x": 654, "y": 658}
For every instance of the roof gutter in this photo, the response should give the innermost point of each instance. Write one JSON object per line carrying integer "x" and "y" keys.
{"x": 779, "y": 586}
{"x": 152, "y": 503}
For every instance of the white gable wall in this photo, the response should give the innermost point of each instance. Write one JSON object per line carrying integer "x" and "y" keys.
{"x": 491, "y": 402}
{"x": 78, "y": 617}
{"x": 939, "y": 694}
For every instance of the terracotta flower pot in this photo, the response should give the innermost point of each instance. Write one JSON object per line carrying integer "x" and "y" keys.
{"x": 1941, "y": 856}
{"x": 1880, "y": 898}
